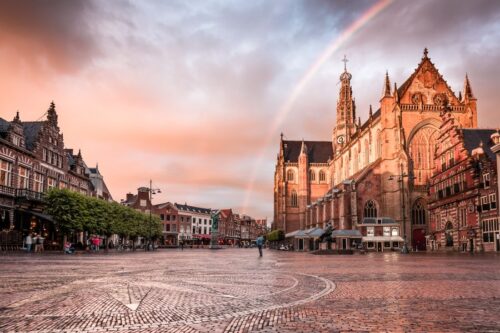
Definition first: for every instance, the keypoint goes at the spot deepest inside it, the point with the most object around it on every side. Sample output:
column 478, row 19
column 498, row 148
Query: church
column 371, row 179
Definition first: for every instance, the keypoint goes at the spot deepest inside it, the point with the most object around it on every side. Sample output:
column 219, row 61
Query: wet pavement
column 233, row 290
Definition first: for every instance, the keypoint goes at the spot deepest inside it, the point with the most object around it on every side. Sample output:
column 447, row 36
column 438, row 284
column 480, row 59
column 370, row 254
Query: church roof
column 317, row 151
column 473, row 138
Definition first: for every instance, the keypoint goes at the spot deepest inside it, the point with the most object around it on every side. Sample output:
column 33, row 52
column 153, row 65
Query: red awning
column 202, row 236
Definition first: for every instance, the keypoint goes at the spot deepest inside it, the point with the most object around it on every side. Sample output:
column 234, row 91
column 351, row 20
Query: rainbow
column 286, row 107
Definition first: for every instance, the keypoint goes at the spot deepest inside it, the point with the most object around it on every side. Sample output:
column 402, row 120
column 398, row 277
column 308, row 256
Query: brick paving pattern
column 233, row 290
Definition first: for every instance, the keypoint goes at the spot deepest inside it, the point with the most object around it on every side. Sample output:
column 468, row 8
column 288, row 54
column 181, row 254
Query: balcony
column 7, row 190
column 30, row 195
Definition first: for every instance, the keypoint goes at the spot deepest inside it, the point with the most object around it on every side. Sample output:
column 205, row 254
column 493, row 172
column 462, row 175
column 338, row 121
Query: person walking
column 260, row 243
column 40, row 240
column 29, row 242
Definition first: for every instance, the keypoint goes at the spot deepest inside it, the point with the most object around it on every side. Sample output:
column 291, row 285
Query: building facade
column 33, row 160
column 387, row 161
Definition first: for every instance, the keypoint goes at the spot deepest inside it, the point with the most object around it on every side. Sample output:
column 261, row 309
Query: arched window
column 294, row 201
column 370, row 209
column 312, row 175
column 422, row 145
column 290, row 175
column 418, row 213
column 322, row 176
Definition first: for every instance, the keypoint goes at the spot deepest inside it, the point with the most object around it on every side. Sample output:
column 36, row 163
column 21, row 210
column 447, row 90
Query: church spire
column 303, row 148
column 346, row 109
column 387, row 86
column 467, row 89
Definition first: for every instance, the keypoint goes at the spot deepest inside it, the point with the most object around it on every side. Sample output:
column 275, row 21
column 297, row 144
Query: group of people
column 36, row 240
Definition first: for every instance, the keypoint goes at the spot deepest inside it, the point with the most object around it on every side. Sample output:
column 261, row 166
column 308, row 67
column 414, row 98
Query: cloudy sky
column 190, row 93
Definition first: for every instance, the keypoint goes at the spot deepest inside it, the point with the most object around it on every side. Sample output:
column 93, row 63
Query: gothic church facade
column 379, row 168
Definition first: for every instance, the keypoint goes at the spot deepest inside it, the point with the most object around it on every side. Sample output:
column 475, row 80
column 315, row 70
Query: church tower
column 345, row 125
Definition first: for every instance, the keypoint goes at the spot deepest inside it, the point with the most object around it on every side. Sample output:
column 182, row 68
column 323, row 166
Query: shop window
column 395, row 245
column 370, row 245
column 387, row 244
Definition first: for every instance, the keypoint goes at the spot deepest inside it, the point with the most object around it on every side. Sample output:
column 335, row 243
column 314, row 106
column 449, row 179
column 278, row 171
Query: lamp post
column 151, row 192
column 400, row 178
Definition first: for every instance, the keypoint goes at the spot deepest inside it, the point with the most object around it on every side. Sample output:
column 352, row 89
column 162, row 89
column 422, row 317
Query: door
column 344, row 244
column 379, row 247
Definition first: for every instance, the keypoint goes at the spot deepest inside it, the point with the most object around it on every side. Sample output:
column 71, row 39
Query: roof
column 317, row 151
column 473, row 138
column 4, row 125
column 193, row 209
column 346, row 233
column 31, row 130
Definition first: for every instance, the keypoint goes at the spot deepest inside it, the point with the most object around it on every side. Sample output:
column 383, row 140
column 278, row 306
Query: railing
column 29, row 194
column 430, row 107
column 7, row 190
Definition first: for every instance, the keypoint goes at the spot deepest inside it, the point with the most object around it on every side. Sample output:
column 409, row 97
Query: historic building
column 376, row 169
column 463, row 190
column 33, row 159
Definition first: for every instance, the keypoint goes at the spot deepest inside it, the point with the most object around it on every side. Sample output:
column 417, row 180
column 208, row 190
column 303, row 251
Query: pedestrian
column 260, row 243
column 68, row 248
column 35, row 241
column 96, row 243
column 39, row 242
column 29, row 241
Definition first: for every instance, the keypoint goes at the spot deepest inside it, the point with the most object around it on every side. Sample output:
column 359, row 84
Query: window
column 293, row 199
column 462, row 216
column 194, row 230
column 485, row 205
column 168, row 226
column 5, row 173
column 490, row 227
column 451, row 159
column 418, row 213
column 22, row 177
column 322, row 176
column 204, row 221
column 387, row 231
column 486, row 180
column 493, row 201
column 182, row 218
column 173, row 217
column 44, row 155
column 312, row 175
column 290, row 175
column 62, row 185
column 370, row 209
column 162, row 217
column 370, row 231
column 370, row 245
column 38, row 182
column 142, row 203
column 51, row 183
column 174, row 228
column 395, row 231
column 387, row 244
column 395, row 245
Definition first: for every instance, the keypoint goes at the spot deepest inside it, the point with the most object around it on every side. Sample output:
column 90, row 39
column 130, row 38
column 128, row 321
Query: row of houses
column 33, row 159
column 187, row 224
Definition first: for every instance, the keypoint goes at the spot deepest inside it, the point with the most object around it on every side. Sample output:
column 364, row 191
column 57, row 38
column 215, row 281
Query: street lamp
column 151, row 192
column 400, row 179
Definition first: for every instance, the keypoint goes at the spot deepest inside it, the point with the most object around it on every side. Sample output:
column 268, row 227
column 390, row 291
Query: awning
column 296, row 234
column 346, row 233
column 315, row 232
column 382, row 239
column 202, row 237
column 40, row 215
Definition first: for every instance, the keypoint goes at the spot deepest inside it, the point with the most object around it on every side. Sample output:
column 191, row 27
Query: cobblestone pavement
column 233, row 290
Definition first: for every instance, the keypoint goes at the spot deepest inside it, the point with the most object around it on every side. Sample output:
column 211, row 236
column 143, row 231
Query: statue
column 327, row 236
column 214, row 240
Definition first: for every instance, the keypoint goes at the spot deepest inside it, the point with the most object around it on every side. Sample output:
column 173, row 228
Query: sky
column 194, row 94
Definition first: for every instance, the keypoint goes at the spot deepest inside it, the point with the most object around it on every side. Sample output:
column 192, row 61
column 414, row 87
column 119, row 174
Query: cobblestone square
column 233, row 290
